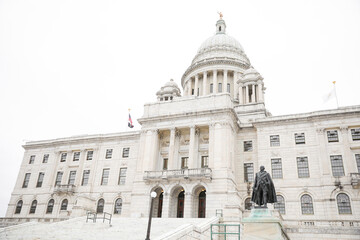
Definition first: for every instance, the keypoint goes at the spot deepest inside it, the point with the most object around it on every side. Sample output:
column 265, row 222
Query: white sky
column 75, row 67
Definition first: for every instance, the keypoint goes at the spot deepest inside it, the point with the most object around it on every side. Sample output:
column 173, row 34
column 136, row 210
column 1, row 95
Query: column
column 171, row 163
column 205, row 83
column 191, row 147
column 253, row 93
column 215, row 83
column 349, row 157
column 188, row 203
column 151, row 150
column 225, row 80
column 196, row 85
column 260, row 92
column 325, row 164
column 246, row 94
column 166, row 205
column 240, row 94
column 235, row 84
column 189, row 86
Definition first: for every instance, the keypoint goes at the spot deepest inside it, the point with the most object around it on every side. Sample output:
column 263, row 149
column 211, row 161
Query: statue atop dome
column 220, row 14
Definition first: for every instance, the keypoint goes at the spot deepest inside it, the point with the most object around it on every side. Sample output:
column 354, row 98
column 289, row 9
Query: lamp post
column 153, row 196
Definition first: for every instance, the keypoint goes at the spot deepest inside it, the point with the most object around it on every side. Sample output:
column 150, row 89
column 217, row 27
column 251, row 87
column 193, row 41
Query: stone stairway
column 121, row 228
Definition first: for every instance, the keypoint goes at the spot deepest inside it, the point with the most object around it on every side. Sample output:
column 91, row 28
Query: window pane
column 85, row 179
column 337, row 165
column 58, row 178
column 343, row 203
column 76, row 156
column 249, row 172
column 299, row 138
column 118, row 206
column 100, row 206
column 274, row 140
column 248, row 204
column 105, row 176
column 64, row 204
column 332, row 136
column 63, row 157
column 33, row 206
column 18, row 207
column 26, row 180
column 108, row 153
column 357, row 157
column 40, row 179
column 303, row 167
column 32, row 159
column 126, row 152
column 89, row 155
column 280, row 204
column 45, row 158
column 50, row 206
column 220, row 87
column 248, row 146
column 122, row 176
column 184, row 162
column 165, row 163
column 72, row 176
column 228, row 88
column 307, row 205
column 204, row 161
column 276, row 168
column 355, row 133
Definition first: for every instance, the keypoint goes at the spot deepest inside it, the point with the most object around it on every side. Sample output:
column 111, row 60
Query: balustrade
column 187, row 173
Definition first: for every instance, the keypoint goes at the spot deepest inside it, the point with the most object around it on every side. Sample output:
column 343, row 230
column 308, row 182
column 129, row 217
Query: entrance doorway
column 202, row 204
column 180, row 205
column 160, row 205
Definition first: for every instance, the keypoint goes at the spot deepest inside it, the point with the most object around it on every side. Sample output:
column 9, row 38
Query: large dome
column 220, row 41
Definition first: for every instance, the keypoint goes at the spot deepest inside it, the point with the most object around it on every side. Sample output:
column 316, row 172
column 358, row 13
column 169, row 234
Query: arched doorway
column 202, row 204
column 158, row 202
column 180, row 205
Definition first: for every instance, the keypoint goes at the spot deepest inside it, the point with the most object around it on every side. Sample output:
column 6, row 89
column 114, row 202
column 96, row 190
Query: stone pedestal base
column 262, row 225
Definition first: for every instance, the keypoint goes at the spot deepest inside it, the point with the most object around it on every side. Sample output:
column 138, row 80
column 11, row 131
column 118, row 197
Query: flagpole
column 337, row 103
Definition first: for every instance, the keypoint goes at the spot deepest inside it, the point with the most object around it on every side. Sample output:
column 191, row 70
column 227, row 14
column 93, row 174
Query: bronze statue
column 263, row 189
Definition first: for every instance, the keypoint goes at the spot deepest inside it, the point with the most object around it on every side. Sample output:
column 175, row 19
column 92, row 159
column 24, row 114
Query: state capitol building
column 199, row 148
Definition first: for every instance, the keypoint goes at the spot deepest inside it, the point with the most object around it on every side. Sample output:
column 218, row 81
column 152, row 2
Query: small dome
column 251, row 75
column 169, row 91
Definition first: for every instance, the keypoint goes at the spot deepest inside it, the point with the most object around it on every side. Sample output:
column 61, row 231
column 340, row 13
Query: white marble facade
column 192, row 150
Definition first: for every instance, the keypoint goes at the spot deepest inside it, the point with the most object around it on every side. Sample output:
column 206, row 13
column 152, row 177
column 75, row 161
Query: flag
column 130, row 123
column 329, row 96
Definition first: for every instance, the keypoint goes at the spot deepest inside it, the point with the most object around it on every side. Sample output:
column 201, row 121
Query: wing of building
column 198, row 150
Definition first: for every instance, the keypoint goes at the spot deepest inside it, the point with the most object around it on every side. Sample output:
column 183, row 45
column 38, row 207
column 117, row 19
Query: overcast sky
column 75, row 67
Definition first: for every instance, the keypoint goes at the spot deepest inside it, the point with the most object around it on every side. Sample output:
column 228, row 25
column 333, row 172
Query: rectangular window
column 126, row 152
column 40, row 179
column 85, row 179
column 184, row 162
column 58, row 178
column 355, row 133
column 357, row 157
column 105, row 176
column 248, row 146
column 228, row 88
column 299, row 138
column 32, row 159
column 274, row 140
column 26, row 180
column 303, row 167
column 220, row 87
column 276, row 168
column 45, row 158
column 63, row 157
column 72, row 176
column 332, row 136
column 204, row 161
column 76, row 156
column 108, row 153
column 337, row 165
column 165, row 163
column 192, row 92
column 248, row 172
column 211, row 88
column 122, row 176
column 89, row 155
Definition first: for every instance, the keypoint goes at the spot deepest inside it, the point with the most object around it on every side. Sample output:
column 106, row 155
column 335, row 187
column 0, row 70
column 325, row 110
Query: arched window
column 280, row 204
column 247, row 204
column 343, row 203
column 100, row 206
column 306, row 204
column 33, row 206
column 18, row 207
column 64, row 204
column 50, row 206
column 118, row 206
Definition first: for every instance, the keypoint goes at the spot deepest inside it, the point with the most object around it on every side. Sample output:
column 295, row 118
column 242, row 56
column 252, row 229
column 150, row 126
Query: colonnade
column 251, row 92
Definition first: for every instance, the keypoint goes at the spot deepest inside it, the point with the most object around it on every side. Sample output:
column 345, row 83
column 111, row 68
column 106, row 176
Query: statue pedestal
column 261, row 224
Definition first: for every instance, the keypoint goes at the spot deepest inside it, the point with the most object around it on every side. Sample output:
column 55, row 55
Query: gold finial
column 220, row 14
column 129, row 109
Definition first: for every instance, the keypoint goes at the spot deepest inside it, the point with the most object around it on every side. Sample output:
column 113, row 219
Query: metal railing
column 355, row 179
column 91, row 216
column 205, row 173
column 107, row 216
column 225, row 231
column 64, row 188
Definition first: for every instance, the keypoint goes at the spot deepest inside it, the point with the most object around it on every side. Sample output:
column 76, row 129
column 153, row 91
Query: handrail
column 91, row 216
column 224, row 232
column 107, row 218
